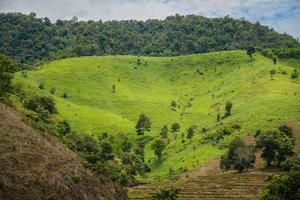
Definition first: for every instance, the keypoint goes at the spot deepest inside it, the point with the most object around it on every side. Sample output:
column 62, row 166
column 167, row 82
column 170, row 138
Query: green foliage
column 143, row 124
column 283, row 187
column 292, row 163
column 7, row 68
column 106, row 150
column 173, row 104
column 166, row 194
column 228, row 108
column 158, row 146
column 274, row 60
column 250, row 51
column 276, row 147
column 42, row 105
column 102, row 157
column 27, row 38
column 52, row 90
column 164, row 132
column 239, row 156
column 41, row 86
column 190, row 132
column 65, row 95
column 175, row 127
column 295, row 74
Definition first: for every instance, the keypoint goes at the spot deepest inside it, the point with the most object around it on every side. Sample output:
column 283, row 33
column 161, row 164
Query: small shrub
column 75, row 179
column 166, row 194
column 65, row 95
column 295, row 74
column 41, row 86
column 52, row 90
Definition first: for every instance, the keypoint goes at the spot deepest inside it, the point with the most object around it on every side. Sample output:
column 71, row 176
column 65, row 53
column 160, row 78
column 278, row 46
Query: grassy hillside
column 33, row 165
column 200, row 84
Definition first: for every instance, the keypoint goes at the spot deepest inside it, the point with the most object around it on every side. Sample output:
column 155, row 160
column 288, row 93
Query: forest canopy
column 28, row 39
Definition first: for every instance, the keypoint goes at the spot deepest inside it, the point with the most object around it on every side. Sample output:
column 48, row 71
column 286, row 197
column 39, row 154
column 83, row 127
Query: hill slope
column 200, row 84
column 36, row 166
column 223, row 186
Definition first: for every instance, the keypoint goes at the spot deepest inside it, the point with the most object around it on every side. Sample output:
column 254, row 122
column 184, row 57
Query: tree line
column 28, row 39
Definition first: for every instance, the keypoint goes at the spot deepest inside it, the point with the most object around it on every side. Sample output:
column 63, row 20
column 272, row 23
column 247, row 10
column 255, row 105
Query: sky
column 282, row 15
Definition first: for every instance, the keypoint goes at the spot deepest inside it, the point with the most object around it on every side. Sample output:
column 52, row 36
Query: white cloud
column 276, row 13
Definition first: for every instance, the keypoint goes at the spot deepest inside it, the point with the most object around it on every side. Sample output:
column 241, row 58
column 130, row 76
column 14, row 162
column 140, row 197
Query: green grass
column 259, row 101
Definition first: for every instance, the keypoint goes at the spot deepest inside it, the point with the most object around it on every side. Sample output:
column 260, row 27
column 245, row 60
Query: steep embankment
column 35, row 166
column 107, row 94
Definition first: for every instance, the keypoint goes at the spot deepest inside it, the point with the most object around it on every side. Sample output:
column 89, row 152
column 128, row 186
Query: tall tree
column 7, row 68
column 158, row 146
column 143, row 124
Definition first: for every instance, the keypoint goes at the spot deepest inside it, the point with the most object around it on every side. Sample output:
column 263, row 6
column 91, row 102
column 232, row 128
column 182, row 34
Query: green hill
column 199, row 84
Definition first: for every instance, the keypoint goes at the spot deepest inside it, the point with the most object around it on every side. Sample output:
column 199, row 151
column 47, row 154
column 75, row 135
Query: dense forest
column 28, row 39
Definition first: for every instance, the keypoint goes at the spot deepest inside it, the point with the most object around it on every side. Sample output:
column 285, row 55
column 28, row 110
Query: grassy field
column 200, row 84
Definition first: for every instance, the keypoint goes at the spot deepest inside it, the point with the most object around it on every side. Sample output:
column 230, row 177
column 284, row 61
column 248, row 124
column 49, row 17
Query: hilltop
column 108, row 93
column 34, row 165
column 28, row 39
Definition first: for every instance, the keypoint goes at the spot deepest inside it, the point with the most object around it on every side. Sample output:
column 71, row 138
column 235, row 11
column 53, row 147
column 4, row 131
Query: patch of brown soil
column 212, row 167
column 295, row 126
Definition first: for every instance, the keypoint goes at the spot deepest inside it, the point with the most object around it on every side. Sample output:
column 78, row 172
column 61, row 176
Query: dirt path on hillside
column 295, row 126
column 212, row 167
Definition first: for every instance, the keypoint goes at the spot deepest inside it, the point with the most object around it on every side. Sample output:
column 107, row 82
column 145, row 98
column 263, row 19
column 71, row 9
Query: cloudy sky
column 282, row 15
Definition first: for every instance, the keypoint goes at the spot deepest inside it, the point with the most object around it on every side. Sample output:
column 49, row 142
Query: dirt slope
column 34, row 165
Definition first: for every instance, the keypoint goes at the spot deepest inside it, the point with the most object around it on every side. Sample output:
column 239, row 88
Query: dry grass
column 34, row 165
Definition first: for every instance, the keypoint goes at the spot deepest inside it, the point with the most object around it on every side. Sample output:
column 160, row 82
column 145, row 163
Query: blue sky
column 282, row 15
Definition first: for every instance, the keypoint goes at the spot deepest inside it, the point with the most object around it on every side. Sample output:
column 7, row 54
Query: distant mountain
column 27, row 38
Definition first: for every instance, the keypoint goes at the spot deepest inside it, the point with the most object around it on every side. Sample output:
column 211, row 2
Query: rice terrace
column 140, row 106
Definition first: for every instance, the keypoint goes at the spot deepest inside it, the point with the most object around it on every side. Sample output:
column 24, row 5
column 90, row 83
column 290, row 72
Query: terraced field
column 223, row 186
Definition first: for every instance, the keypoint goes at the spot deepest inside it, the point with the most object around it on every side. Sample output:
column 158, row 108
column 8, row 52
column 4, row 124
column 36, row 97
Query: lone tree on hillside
column 239, row 156
column 143, row 124
column 138, row 62
column 274, row 60
column 158, row 146
column 175, row 127
column 295, row 74
column 113, row 88
column 164, row 132
column 7, row 68
column 228, row 108
column 250, row 51
column 190, row 132
column 173, row 104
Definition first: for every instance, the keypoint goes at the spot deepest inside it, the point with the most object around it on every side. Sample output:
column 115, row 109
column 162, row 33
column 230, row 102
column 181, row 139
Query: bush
column 276, row 147
column 283, row 187
column 239, row 156
column 37, row 102
column 166, row 194
column 41, row 86
column 295, row 74
column 175, row 127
